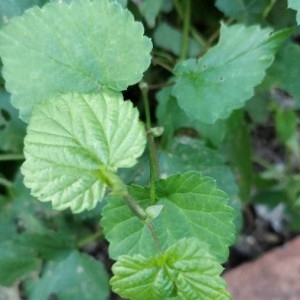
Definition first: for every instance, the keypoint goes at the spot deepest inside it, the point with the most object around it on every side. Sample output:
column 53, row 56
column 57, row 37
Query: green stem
column 141, row 214
column 12, row 156
column 162, row 64
column 154, row 236
column 154, row 168
column 269, row 8
column 185, row 30
column 91, row 238
column 6, row 183
column 136, row 209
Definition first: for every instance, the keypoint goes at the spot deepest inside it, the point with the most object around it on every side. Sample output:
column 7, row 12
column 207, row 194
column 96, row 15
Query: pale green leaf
column 76, row 277
column 249, row 11
column 74, row 144
column 185, row 271
column 222, row 80
column 295, row 4
column 192, row 207
column 16, row 262
column 71, row 48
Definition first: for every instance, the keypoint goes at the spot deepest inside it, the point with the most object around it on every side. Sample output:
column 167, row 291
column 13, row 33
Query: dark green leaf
column 239, row 150
column 286, row 124
column 12, row 129
column 16, row 262
column 76, row 277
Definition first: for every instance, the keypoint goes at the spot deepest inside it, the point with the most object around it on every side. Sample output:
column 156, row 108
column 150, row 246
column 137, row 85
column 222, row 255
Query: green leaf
column 72, row 151
column 12, row 129
column 150, row 9
column 239, row 149
column 286, row 124
column 169, row 38
column 248, row 11
column 185, row 271
column 76, row 277
column 46, row 245
column 16, row 262
column 108, row 49
column 285, row 71
column 222, row 80
column 187, row 154
column 192, row 207
column 295, row 4
column 12, row 8
column 172, row 117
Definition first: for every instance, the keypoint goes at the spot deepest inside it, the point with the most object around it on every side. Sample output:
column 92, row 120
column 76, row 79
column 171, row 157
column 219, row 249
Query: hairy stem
column 154, row 235
column 136, row 209
column 141, row 214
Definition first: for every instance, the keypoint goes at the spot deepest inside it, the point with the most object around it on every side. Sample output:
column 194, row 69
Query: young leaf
column 16, row 261
column 295, row 4
column 192, row 207
column 75, row 143
column 88, row 45
column 185, row 271
column 222, row 80
column 76, row 277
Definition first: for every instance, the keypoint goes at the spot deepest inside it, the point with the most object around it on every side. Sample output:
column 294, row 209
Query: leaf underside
column 70, row 149
column 71, row 48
